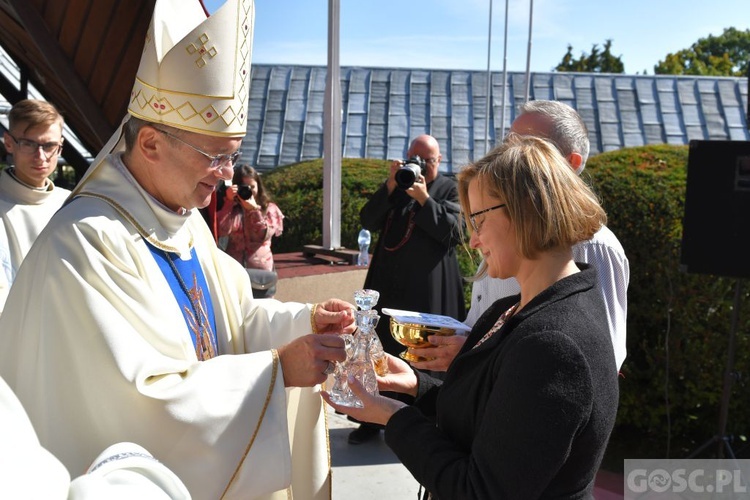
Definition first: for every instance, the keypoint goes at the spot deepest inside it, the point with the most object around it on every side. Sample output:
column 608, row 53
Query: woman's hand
column 376, row 408
column 400, row 377
column 440, row 354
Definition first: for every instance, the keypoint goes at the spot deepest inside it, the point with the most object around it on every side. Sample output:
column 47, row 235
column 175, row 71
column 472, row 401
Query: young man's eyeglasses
column 217, row 161
column 477, row 225
column 29, row 147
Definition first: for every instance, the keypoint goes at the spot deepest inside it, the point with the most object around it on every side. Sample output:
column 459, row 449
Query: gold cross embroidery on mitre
column 202, row 51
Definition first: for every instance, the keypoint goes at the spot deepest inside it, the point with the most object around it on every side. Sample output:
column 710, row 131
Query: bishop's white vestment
column 98, row 351
column 121, row 472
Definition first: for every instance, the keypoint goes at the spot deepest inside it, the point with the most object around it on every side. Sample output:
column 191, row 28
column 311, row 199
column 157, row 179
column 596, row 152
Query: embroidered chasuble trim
column 123, row 456
column 329, row 476
column 158, row 244
column 274, row 373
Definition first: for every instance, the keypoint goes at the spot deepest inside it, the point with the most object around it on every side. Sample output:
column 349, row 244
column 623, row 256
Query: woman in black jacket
column 528, row 405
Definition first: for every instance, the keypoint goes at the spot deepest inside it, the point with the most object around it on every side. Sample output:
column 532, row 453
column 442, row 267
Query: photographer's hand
column 418, row 190
column 390, row 184
column 249, row 204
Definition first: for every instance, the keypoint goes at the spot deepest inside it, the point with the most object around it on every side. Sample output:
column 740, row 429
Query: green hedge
column 678, row 323
column 298, row 190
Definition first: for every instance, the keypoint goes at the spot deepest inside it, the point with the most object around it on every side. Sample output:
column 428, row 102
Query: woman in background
column 249, row 219
column 527, row 406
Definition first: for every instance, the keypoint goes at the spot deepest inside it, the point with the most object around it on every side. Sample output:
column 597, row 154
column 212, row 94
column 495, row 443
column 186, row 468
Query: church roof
column 383, row 108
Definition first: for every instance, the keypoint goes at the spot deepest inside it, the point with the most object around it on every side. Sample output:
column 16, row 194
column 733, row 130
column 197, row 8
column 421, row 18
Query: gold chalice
column 415, row 335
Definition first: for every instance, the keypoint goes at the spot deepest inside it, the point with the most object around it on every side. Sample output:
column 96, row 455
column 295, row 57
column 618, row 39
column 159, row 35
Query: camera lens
column 409, row 172
column 406, row 176
column 244, row 191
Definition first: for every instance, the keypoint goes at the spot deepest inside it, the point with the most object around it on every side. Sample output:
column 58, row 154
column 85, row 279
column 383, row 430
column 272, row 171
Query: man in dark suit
column 414, row 265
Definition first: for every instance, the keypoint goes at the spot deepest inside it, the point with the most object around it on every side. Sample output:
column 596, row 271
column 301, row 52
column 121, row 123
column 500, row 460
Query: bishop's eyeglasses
column 217, row 161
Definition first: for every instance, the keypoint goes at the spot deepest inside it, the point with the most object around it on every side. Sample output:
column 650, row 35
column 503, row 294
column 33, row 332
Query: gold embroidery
column 201, row 50
column 158, row 244
column 200, row 326
column 275, row 371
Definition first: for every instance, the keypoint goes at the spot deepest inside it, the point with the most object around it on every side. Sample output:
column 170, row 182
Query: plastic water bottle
column 364, row 248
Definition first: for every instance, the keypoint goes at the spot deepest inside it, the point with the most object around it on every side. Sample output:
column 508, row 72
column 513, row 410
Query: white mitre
column 194, row 73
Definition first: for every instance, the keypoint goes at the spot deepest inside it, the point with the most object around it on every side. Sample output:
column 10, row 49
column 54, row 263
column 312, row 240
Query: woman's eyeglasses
column 477, row 225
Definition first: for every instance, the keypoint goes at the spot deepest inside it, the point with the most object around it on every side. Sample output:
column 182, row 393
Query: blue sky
column 453, row 34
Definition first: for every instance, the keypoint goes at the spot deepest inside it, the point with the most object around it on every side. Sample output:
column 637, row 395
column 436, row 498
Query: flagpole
column 505, row 72
column 528, row 52
column 332, row 136
column 489, row 88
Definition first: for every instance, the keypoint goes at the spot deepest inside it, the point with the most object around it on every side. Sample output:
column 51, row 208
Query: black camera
column 409, row 172
column 244, row 191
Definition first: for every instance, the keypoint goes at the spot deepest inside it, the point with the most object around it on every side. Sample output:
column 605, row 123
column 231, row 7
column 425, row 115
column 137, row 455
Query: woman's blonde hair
column 548, row 204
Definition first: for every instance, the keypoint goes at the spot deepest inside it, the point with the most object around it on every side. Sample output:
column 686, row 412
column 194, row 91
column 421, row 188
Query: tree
column 723, row 55
column 596, row 62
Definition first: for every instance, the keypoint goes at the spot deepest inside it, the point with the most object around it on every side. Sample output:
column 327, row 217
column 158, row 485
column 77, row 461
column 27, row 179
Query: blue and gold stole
column 188, row 284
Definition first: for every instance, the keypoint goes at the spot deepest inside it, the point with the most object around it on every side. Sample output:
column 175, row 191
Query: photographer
column 414, row 264
column 249, row 219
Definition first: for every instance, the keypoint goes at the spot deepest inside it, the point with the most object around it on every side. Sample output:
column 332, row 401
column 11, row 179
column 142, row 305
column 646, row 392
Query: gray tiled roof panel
column 608, row 112
column 295, row 111
column 649, row 114
column 735, row 116
column 646, row 91
column 356, row 125
column 653, row 134
column 357, row 102
column 383, row 108
column 737, row 134
column 378, row 113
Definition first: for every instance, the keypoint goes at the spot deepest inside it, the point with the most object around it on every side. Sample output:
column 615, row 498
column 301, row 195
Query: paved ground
column 369, row 471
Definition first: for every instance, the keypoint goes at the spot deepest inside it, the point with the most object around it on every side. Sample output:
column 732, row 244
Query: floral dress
column 249, row 233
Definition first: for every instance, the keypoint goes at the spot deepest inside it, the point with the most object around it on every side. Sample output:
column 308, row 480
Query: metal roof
column 383, row 108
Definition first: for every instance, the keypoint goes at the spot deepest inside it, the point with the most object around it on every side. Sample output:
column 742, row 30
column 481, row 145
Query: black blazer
column 525, row 415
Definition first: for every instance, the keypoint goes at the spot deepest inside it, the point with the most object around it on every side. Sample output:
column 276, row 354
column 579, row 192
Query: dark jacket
column 414, row 264
column 525, row 415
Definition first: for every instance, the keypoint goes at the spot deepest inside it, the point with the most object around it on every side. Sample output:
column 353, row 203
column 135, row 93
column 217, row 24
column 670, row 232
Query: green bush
column 678, row 324
column 298, row 190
